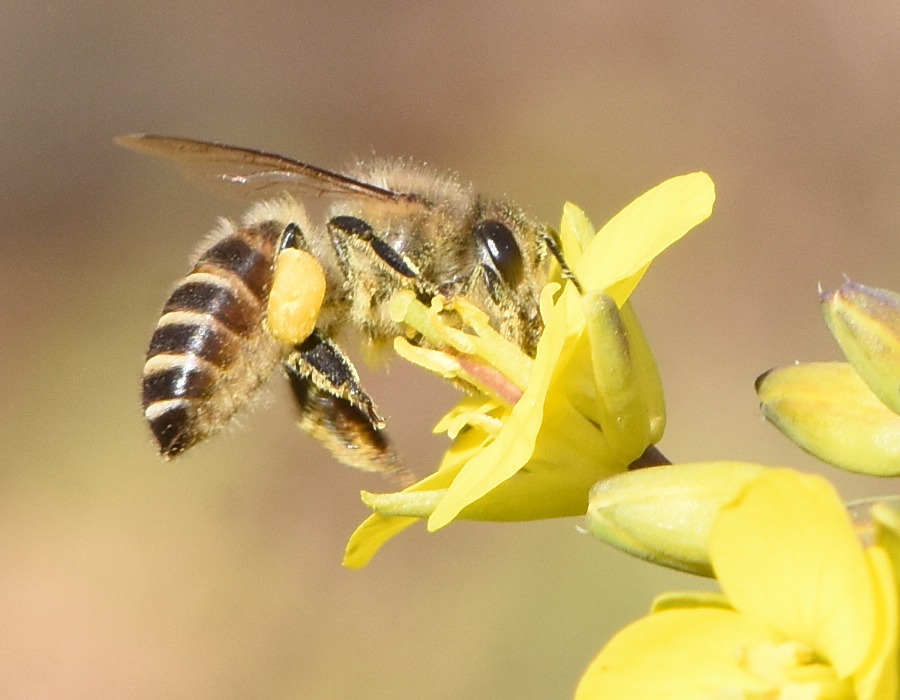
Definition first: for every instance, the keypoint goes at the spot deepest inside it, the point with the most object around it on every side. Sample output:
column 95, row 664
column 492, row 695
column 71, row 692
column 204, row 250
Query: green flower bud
column 664, row 514
column 866, row 323
column 829, row 411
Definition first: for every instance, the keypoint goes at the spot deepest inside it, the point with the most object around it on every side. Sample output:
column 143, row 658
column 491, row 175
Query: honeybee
column 390, row 225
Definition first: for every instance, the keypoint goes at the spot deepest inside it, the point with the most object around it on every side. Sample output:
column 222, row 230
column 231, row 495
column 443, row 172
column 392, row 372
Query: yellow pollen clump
column 298, row 290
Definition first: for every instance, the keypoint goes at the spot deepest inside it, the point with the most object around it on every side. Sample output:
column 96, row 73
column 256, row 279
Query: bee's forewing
column 249, row 173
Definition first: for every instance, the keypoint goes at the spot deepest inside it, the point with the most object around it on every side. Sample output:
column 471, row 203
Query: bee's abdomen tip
column 174, row 430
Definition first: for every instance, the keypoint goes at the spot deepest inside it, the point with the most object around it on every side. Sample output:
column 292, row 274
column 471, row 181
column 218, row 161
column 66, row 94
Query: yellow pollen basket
column 298, row 290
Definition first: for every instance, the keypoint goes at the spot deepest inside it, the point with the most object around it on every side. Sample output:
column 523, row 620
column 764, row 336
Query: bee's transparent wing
column 251, row 174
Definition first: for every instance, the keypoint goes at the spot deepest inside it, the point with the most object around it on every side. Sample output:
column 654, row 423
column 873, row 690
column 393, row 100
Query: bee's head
column 511, row 267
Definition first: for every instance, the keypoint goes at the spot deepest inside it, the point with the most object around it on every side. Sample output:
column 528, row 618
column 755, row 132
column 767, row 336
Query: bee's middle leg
column 336, row 411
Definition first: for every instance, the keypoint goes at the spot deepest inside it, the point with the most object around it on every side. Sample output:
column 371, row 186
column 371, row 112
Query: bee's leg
column 352, row 231
column 550, row 239
column 319, row 358
column 292, row 237
column 336, row 411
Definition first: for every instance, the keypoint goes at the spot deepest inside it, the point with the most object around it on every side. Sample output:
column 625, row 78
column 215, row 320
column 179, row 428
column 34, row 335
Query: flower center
column 792, row 671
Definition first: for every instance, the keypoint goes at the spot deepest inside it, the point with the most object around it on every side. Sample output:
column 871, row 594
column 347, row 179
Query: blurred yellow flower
column 846, row 414
column 541, row 431
column 807, row 611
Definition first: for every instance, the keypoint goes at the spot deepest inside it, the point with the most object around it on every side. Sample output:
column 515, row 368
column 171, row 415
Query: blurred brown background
column 219, row 576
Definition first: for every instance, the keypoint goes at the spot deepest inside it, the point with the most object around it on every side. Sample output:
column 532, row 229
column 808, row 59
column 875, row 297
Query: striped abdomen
column 209, row 352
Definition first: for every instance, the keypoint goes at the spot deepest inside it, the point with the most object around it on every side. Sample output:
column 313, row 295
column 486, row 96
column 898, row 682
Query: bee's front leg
column 551, row 242
column 352, row 232
column 336, row 411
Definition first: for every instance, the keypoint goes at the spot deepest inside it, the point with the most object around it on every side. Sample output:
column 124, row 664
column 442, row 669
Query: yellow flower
column 806, row 610
column 543, row 430
column 846, row 414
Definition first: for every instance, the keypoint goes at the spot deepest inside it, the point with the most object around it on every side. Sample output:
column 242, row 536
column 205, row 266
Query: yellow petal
column 378, row 529
column 885, row 513
column 513, row 447
column 372, row 535
column 879, row 521
column 785, row 553
column 830, row 412
column 624, row 247
column 878, row 676
column 493, row 465
column 677, row 655
column 575, row 233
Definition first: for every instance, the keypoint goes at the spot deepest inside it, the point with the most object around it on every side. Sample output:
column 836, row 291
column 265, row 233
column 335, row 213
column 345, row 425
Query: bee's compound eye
column 498, row 244
column 296, row 297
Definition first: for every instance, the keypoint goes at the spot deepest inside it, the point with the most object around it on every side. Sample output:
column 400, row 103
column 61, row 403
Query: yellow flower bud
column 829, row 411
column 664, row 514
column 866, row 323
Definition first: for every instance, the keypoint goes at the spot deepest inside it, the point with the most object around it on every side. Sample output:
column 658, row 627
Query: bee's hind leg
column 336, row 411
